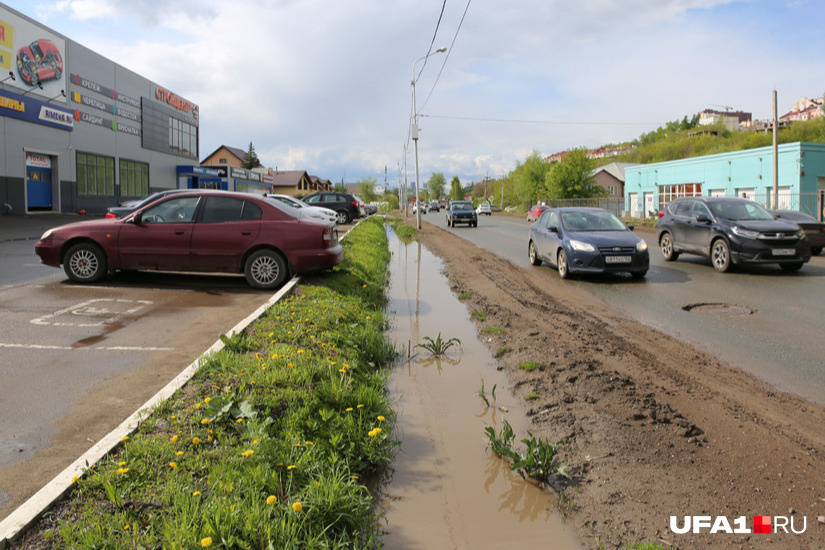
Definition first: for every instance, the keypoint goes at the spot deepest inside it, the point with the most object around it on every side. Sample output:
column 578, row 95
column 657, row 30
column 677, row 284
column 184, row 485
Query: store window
column 669, row 192
column 134, row 178
column 183, row 137
column 95, row 175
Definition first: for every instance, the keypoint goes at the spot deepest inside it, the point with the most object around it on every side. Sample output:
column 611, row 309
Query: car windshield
column 462, row 205
column 794, row 215
column 284, row 207
column 731, row 210
column 591, row 221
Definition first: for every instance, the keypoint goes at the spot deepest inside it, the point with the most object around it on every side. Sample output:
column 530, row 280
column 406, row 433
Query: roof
column 237, row 151
column 290, row 178
column 615, row 169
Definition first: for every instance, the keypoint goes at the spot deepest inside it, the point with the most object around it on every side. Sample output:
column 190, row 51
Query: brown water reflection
column 447, row 490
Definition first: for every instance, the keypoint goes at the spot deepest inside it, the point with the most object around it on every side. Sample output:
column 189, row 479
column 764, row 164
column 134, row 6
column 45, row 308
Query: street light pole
column 414, row 133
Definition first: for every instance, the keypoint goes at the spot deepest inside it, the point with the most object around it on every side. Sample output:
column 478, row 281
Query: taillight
column 661, row 213
column 330, row 237
column 109, row 215
column 355, row 204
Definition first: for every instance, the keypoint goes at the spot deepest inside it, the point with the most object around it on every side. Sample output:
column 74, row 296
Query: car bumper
column 49, row 253
column 310, row 261
column 753, row 251
column 596, row 262
column 464, row 219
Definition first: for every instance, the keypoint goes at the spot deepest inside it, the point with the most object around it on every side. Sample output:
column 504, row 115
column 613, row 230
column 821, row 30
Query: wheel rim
column 532, row 252
column 342, row 217
column 265, row 270
column 84, row 264
column 562, row 263
column 667, row 247
column 720, row 255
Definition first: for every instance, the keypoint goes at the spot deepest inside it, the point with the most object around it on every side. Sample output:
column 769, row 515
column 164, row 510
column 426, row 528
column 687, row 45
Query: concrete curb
column 30, row 511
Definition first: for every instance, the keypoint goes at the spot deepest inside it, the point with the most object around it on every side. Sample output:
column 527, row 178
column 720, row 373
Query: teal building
column 748, row 173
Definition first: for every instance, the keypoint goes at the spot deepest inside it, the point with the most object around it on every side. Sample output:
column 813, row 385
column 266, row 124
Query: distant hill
column 674, row 141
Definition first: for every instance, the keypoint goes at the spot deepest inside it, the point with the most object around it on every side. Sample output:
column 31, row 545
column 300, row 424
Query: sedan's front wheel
column 720, row 255
column 534, row 255
column 265, row 269
column 85, row 263
column 564, row 269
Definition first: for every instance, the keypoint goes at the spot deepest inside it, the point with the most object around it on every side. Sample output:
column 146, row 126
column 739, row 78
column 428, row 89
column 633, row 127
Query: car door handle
column 180, row 232
column 246, row 233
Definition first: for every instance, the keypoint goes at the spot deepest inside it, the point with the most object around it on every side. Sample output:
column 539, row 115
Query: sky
column 325, row 85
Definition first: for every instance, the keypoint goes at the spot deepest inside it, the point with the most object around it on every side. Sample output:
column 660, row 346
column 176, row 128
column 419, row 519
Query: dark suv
column 461, row 212
column 345, row 204
column 730, row 231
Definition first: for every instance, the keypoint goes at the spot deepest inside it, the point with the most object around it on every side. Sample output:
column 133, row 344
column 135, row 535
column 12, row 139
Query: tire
column 85, row 263
column 791, row 267
column 533, row 254
column 449, row 223
column 816, row 250
column 666, row 246
column 638, row 274
column 475, row 224
column 343, row 217
column 265, row 269
column 561, row 263
column 720, row 255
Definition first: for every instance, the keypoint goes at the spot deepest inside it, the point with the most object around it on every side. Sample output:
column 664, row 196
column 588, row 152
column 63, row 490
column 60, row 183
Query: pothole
column 719, row 308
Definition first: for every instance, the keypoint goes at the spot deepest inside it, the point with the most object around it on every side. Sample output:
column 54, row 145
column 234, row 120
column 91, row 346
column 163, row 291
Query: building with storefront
column 748, row 173
column 80, row 132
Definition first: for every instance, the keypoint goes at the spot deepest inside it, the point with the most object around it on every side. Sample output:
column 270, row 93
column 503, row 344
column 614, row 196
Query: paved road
column 781, row 342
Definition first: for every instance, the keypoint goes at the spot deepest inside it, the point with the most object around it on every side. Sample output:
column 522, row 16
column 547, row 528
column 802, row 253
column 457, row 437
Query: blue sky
column 324, row 85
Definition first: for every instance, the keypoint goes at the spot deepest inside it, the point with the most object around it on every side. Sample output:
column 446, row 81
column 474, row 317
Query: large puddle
column 447, row 489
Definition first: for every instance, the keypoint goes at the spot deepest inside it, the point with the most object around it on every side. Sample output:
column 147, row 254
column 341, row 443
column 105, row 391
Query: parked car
column 424, row 208
column 730, row 231
column 461, row 212
column 38, row 62
column 127, row 207
column 813, row 228
column 586, row 240
column 362, row 206
column 370, row 208
column 345, row 205
column 484, row 208
column 317, row 212
column 534, row 213
column 201, row 230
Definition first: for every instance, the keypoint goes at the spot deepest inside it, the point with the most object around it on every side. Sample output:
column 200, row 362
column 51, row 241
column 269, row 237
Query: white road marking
column 97, row 308
column 70, row 348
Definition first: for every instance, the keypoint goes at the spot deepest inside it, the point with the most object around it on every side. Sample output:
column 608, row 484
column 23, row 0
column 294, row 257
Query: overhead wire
column 449, row 51
column 523, row 121
column 430, row 50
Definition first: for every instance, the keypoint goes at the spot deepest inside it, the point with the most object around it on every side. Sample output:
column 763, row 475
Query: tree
column 456, row 193
column 572, row 177
column 250, row 159
column 436, row 185
column 340, row 187
column 529, row 177
column 366, row 189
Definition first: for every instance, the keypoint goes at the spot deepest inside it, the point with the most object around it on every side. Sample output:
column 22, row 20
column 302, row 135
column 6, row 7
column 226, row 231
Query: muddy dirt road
column 655, row 428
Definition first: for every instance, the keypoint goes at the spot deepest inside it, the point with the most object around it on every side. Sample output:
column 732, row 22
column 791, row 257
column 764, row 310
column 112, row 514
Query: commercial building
column 80, row 132
column 749, row 173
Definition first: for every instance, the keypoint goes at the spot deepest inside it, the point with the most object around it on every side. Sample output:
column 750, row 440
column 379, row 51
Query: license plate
column 617, row 259
column 784, row 252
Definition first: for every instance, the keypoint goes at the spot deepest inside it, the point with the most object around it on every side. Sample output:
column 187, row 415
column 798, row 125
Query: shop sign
column 38, row 161
column 176, row 102
column 78, row 80
column 17, row 35
column 101, row 105
column 244, row 174
column 33, row 110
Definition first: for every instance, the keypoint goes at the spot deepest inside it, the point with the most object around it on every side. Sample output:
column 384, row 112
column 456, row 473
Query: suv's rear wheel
column 343, row 217
column 720, row 255
column 666, row 246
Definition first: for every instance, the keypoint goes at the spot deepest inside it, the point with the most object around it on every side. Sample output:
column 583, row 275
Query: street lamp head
column 439, row 50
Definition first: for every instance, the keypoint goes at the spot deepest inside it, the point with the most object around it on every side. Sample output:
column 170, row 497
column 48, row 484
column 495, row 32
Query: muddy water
column 447, row 490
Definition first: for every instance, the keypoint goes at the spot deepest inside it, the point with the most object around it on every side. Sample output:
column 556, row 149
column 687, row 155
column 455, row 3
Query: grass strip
column 272, row 442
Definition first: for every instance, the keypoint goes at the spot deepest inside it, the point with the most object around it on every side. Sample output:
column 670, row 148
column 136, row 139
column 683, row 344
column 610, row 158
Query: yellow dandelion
column 207, row 399
column 122, row 471
column 308, row 443
column 270, row 500
column 197, row 405
column 348, row 409
column 209, row 438
column 297, row 506
column 173, row 465
column 317, row 483
column 196, row 494
column 377, row 431
column 205, row 421
column 125, row 438
column 174, row 439
column 297, row 445
column 291, row 467
column 271, row 334
column 300, row 351
column 368, row 317
column 248, row 452
column 172, row 417
column 256, row 441
column 342, row 370
column 75, row 478
column 365, row 286
column 360, row 406
column 121, row 463
column 354, row 477
column 179, row 453
column 381, row 418
column 240, row 420
column 289, row 365
column 205, row 542
column 195, row 440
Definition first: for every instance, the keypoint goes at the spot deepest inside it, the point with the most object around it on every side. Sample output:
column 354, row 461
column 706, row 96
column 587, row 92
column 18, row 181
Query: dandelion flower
column 239, row 421
column 206, row 542
column 291, row 467
column 125, row 438
column 256, row 441
column 197, row 405
column 196, row 494
column 195, row 440
column 297, row 445
column 174, row 438
column 342, row 370
column 173, row 465
column 209, row 438
column 381, row 418
column 248, row 452
column 270, row 500
column 309, row 443
column 75, row 478
column 297, row 506
column 205, row 421
column 122, row 471
column 359, row 406
column 179, row 453
column 349, row 409
column 365, row 286
column 122, row 463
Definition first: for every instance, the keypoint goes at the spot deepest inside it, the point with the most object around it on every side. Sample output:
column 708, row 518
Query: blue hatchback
column 587, row 240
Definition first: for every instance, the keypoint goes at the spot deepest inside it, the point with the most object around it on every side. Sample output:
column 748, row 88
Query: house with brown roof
column 611, row 177
column 296, row 182
column 225, row 156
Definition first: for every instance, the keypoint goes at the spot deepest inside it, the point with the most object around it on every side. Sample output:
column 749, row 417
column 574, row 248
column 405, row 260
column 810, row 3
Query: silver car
column 317, row 212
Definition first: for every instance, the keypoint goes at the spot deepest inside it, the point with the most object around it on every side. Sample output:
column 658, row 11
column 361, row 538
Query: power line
column 522, row 121
column 449, row 51
column 429, row 51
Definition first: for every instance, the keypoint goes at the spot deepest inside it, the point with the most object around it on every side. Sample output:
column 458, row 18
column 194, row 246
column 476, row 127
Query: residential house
column 611, row 177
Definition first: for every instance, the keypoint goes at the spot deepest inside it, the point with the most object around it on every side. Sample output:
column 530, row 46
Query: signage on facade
column 244, row 174
column 101, row 105
column 176, row 102
column 33, row 110
column 38, row 161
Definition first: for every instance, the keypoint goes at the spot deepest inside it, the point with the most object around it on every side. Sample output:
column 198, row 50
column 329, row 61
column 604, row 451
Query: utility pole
column 775, row 155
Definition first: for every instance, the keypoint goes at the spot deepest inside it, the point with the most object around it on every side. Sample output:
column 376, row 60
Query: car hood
column 765, row 226
column 603, row 239
column 103, row 223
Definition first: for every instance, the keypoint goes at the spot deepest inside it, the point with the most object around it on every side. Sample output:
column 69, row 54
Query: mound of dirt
column 654, row 427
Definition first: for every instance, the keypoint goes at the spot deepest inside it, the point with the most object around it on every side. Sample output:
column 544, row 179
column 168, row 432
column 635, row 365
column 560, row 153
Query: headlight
column 641, row 246
column 800, row 234
column 582, row 247
column 748, row 234
column 46, row 235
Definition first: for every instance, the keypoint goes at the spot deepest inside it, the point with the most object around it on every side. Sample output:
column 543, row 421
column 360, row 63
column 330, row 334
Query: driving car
column 346, row 205
column 127, row 207
column 586, row 240
column 435, row 206
column 461, row 212
column 38, row 62
column 318, row 212
column 730, row 231
column 813, row 228
column 534, row 213
column 199, row 231
column 424, row 208
column 484, row 208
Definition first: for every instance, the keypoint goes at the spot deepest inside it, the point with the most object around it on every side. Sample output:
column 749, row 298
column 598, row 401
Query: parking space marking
column 104, row 310
column 71, row 348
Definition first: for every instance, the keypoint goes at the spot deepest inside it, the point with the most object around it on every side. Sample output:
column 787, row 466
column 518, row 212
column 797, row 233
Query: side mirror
column 631, row 227
column 703, row 218
column 136, row 218
column 553, row 229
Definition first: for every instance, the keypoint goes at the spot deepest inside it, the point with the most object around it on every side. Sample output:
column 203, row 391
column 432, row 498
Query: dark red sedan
column 534, row 213
column 205, row 231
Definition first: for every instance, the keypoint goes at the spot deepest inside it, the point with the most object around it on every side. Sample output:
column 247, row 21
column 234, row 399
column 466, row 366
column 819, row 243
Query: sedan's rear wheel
column 720, row 255
column 564, row 269
column 666, row 246
column 534, row 255
column 85, row 263
column 343, row 217
column 265, row 269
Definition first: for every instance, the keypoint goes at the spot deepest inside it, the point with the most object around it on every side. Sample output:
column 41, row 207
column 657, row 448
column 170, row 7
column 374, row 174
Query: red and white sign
column 38, row 161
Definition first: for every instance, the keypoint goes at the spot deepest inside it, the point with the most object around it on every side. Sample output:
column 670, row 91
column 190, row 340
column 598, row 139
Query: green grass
column 274, row 438
column 465, row 295
column 529, row 366
column 493, row 330
column 478, row 314
column 502, row 350
column 532, row 396
column 404, row 231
